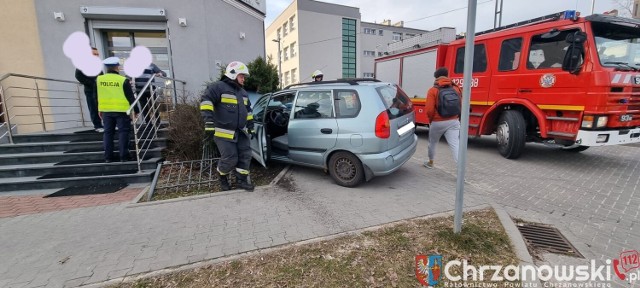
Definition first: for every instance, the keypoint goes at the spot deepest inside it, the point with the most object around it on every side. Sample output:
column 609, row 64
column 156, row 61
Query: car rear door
column 401, row 115
column 312, row 127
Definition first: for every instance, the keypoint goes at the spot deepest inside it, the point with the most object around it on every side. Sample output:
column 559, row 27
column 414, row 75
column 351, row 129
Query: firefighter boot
column 224, row 182
column 243, row 182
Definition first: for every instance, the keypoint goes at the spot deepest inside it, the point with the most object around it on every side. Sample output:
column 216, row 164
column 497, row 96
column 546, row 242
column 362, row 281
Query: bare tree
column 625, row 7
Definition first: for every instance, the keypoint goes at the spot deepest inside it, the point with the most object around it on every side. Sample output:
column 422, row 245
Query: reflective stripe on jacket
column 226, row 106
column 111, row 96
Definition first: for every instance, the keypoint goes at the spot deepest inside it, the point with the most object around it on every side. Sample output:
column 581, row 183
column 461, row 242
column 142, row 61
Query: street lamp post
column 279, row 62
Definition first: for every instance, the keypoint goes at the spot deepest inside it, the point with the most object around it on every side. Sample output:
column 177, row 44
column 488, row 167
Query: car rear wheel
column 346, row 169
column 510, row 133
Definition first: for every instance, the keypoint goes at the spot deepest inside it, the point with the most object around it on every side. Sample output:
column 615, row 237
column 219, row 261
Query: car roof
column 337, row 83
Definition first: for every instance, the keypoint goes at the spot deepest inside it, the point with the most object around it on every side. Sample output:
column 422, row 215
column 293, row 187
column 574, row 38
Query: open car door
column 259, row 148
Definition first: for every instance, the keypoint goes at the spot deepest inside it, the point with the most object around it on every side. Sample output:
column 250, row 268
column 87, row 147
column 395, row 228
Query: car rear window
column 395, row 100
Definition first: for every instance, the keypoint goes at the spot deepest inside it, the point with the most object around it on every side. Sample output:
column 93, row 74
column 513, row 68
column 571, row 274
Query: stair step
column 71, row 147
column 71, row 136
column 34, row 170
column 31, row 183
column 56, row 157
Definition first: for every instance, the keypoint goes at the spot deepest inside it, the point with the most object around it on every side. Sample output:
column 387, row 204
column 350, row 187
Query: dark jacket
column 226, row 106
column 146, row 75
column 89, row 82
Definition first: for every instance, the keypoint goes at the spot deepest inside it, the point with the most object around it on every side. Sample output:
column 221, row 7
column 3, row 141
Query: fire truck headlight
column 602, row 121
column 587, row 122
column 602, row 138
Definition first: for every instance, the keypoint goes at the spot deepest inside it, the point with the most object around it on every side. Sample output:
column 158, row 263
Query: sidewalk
column 90, row 245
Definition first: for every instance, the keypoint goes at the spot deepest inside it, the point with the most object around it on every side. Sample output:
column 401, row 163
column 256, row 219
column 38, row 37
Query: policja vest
column 111, row 97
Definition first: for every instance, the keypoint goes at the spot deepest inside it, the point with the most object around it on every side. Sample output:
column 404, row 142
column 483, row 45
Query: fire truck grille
column 540, row 237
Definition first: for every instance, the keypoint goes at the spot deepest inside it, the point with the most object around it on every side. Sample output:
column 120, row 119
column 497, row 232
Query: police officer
column 227, row 114
column 115, row 96
column 317, row 76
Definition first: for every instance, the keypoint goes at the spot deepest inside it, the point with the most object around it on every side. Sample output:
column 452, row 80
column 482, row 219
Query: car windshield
column 617, row 45
column 395, row 100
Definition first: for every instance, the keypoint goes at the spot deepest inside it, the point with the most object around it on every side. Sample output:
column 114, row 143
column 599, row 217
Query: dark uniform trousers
column 123, row 122
column 234, row 155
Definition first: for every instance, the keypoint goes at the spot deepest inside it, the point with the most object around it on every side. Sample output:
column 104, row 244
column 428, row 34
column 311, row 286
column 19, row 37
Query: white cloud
column 410, row 10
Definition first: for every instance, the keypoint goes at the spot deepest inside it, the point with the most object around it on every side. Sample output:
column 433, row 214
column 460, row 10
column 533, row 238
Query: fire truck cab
column 563, row 79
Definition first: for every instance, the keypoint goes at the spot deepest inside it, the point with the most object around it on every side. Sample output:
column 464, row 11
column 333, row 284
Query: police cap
column 111, row 61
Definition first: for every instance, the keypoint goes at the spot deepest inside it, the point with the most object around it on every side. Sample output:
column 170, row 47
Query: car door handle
column 326, row 130
column 525, row 91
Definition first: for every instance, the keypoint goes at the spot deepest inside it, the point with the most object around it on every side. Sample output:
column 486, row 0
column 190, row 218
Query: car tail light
column 383, row 127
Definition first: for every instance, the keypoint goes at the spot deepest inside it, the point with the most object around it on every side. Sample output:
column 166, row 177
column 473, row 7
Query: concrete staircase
column 65, row 159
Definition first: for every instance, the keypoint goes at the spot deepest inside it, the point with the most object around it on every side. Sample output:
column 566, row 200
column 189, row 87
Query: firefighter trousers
column 234, row 155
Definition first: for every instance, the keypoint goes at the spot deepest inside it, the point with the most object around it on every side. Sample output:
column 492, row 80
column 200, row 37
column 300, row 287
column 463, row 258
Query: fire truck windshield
column 617, row 45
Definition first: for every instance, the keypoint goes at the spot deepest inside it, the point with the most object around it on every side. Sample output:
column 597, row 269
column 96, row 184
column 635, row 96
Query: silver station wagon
column 354, row 129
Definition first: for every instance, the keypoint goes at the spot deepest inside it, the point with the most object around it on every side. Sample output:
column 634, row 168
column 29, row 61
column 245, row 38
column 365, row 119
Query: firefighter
column 317, row 76
column 227, row 114
column 115, row 95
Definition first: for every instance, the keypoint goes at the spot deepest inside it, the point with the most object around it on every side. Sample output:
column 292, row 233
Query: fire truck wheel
column 346, row 169
column 575, row 148
column 511, row 132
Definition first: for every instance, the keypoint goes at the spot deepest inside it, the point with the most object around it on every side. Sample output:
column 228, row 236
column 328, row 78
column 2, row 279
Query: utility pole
column 593, row 5
column 279, row 61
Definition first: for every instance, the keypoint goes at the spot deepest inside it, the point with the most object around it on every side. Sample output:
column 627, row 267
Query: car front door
column 259, row 142
column 313, row 129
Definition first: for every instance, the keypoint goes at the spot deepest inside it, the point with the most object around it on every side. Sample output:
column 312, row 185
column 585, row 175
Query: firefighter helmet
column 234, row 68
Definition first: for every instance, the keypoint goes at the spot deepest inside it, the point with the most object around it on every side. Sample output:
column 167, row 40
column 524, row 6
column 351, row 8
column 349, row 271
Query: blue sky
column 413, row 12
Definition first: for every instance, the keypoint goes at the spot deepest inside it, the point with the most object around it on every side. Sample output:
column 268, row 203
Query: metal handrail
column 8, row 109
column 144, row 137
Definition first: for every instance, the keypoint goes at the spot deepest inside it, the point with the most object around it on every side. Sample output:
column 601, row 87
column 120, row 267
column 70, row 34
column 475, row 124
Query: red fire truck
column 563, row 79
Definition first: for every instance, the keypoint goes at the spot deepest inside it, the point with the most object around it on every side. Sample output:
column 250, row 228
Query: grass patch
column 379, row 258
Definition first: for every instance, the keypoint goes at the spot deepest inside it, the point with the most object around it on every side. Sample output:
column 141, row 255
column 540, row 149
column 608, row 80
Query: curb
column 132, row 278
column 271, row 184
column 516, row 239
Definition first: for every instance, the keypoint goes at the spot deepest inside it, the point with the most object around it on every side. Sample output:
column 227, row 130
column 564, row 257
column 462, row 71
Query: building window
column 278, row 34
column 367, row 75
column 284, row 29
column 292, row 25
column 348, row 48
column 369, row 31
column 397, row 36
column 294, row 77
column 285, row 54
column 407, row 35
column 286, row 78
column 121, row 42
column 369, row 53
column 380, row 32
column 292, row 48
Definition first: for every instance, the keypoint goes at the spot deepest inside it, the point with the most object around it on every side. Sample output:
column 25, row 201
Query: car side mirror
column 574, row 57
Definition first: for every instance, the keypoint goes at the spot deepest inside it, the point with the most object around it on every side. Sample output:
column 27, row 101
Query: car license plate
column 406, row 128
column 626, row 118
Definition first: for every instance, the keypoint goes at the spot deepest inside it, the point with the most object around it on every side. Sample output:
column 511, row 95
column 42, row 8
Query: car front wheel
column 346, row 169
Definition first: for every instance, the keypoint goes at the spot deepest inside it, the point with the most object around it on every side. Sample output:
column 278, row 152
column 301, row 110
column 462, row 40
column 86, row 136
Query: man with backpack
column 443, row 110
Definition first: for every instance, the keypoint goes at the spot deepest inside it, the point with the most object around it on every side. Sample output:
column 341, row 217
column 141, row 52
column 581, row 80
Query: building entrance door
column 119, row 43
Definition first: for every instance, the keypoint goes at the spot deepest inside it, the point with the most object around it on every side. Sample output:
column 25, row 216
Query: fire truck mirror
column 573, row 58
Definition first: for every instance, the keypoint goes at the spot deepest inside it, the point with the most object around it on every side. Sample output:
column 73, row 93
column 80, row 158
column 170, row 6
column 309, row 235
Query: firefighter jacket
column 226, row 109
column 114, row 93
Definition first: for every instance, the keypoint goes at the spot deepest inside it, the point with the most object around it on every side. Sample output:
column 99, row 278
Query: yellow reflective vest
column 111, row 97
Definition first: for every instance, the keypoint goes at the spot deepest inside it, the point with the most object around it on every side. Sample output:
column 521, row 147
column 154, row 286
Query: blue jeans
column 122, row 120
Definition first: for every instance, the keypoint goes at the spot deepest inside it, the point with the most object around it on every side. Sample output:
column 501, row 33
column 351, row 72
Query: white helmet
column 316, row 73
column 234, row 68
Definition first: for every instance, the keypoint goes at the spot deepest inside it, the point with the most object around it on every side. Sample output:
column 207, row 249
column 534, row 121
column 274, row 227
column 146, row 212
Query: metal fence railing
column 37, row 104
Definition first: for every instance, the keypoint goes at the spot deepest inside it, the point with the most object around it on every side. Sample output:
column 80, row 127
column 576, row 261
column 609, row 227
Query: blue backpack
column 448, row 101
